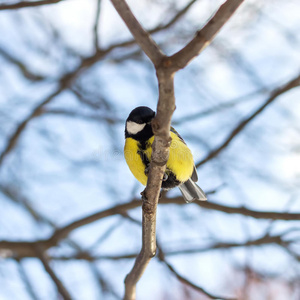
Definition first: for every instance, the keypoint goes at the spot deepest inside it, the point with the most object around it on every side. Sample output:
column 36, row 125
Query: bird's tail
column 191, row 191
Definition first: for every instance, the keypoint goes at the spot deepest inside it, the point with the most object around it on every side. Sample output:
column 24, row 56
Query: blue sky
column 70, row 167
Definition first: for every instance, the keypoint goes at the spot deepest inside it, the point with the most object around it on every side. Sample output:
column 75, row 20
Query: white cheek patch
column 134, row 128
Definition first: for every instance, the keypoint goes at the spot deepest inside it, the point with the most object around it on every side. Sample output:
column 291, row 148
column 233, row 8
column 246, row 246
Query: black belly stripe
column 171, row 182
column 141, row 152
column 144, row 158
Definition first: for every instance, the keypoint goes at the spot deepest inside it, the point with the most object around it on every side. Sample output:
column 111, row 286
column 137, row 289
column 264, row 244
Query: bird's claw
column 143, row 194
column 147, row 170
column 165, row 178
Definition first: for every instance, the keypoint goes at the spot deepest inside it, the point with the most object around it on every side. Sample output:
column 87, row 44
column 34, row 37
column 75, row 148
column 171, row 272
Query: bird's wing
column 174, row 131
column 194, row 175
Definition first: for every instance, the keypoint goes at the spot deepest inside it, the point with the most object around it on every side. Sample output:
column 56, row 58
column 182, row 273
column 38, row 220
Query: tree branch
column 271, row 215
column 175, row 18
column 141, row 36
column 21, row 66
column 160, row 148
column 96, row 39
column 295, row 82
column 60, row 287
column 26, row 281
column 27, row 4
column 20, row 128
column 204, row 36
column 161, row 257
column 67, row 78
column 160, row 154
column 161, row 126
column 26, row 249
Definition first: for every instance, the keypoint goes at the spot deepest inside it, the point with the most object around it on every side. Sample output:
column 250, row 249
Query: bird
column 180, row 167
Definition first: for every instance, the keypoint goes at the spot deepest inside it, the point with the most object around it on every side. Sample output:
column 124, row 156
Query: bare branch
column 236, row 210
column 26, row 281
column 161, row 127
column 154, row 30
column 20, row 128
column 27, row 4
column 295, row 82
column 64, row 83
column 220, row 107
column 160, row 153
column 21, row 66
column 96, row 39
column 204, row 36
column 264, row 240
column 166, row 105
column 161, row 257
column 60, row 287
column 175, row 18
column 26, row 249
column 141, row 36
column 84, row 116
column 66, row 80
column 103, row 281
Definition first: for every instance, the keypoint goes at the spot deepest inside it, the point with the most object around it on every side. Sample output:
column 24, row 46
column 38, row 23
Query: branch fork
column 166, row 67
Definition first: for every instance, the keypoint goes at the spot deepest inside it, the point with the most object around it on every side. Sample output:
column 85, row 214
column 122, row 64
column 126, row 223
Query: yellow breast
column 180, row 160
column 134, row 160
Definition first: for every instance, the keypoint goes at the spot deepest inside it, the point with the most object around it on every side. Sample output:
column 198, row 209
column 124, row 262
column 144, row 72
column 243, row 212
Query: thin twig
column 161, row 257
column 175, row 18
column 293, row 83
column 26, row 249
column 204, row 36
column 102, row 279
column 21, row 66
column 87, row 117
column 20, row 128
column 26, row 280
column 66, row 80
column 265, row 240
column 220, row 107
column 28, row 4
column 140, row 35
column 96, row 38
column 60, row 287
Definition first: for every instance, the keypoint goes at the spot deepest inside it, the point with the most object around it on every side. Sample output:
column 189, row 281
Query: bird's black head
column 138, row 124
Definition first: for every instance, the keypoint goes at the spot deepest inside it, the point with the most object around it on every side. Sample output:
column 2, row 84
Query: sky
column 70, row 167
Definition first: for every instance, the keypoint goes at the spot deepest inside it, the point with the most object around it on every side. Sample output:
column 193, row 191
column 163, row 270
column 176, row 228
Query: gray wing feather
column 194, row 175
column 191, row 191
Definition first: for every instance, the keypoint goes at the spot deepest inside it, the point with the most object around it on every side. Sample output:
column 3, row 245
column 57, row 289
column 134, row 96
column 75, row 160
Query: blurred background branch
column 70, row 74
column 24, row 4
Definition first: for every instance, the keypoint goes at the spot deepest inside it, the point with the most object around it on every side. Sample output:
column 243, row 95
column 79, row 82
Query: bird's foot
column 147, row 170
column 143, row 194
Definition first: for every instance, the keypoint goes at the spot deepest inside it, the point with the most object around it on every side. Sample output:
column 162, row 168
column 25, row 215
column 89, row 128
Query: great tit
column 180, row 169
